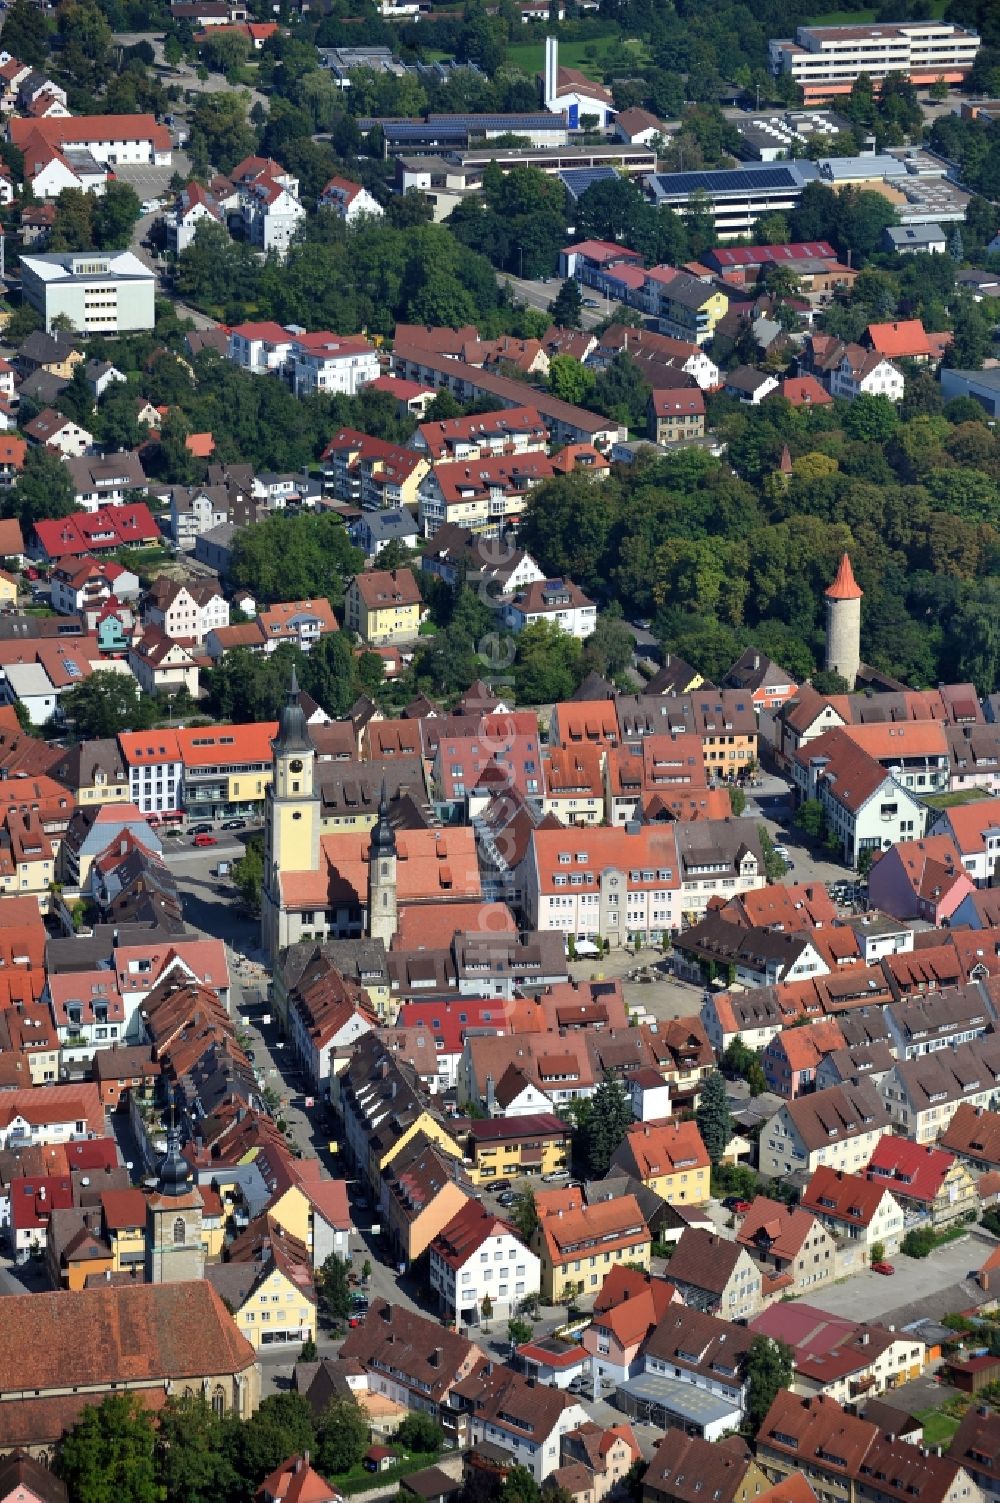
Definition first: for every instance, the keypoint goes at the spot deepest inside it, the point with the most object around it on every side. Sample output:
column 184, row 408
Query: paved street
column 538, row 294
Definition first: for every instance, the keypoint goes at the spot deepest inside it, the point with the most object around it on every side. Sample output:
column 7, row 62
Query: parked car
column 508, row 1198
column 233, row 824
column 203, row 840
column 201, row 829
column 590, row 302
column 736, row 1203
column 498, row 1184
column 885, row 1268
column 557, row 1174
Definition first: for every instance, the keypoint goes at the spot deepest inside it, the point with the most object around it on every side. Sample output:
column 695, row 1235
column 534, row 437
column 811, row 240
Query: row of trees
column 192, row 1455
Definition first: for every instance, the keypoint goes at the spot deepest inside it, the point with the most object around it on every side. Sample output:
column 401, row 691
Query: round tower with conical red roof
column 843, row 624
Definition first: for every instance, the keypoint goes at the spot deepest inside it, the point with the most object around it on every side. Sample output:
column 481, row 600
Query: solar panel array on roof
column 501, row 122
column 578, row 179
column 417, row 130
column 735, row 181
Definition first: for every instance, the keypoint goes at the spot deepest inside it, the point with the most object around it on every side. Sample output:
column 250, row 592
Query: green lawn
column 938, row 1426
column 589, row 56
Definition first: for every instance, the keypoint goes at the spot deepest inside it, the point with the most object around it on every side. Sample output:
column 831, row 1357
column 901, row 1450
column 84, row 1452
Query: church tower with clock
column 292, row 816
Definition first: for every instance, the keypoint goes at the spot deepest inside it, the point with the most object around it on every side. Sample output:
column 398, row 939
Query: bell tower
column 383, row 905
column 291, row 815
column 174, row 1251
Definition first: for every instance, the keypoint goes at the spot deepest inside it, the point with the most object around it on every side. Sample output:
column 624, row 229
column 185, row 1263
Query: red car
column 885, row 1268
column 203, row 840
column 741, row 1207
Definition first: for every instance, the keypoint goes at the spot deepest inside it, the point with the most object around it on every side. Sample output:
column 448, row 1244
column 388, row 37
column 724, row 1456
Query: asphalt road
column 538, row 294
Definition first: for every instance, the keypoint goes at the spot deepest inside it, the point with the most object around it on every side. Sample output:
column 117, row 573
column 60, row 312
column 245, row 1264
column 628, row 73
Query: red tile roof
column 848, row 1198
column 845, row 586
column 912, row 1171
column 904, row 337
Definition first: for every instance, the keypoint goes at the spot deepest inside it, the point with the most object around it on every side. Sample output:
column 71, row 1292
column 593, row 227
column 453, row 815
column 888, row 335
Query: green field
column 589, row 56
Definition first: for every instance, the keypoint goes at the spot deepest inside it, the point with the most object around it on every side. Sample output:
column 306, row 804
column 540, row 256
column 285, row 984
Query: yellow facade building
column 384, row 606
column 578, row 1245
column 506, row 1147
column 669, row 1158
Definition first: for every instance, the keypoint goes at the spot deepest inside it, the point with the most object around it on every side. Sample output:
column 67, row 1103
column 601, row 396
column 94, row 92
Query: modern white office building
column 825, row 60
column 738, row 196
column 99, row 292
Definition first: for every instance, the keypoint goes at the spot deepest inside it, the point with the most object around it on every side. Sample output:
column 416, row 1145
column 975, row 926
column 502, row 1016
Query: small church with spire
column 346, row 883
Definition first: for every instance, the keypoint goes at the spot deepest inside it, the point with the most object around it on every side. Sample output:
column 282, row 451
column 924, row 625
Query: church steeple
column 383, row 837
column 293, row 729
column 383, row 909
column 292, row 817
column 174, row 1173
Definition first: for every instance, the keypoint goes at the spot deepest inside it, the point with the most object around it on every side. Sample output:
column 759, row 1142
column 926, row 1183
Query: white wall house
column 467, row 1265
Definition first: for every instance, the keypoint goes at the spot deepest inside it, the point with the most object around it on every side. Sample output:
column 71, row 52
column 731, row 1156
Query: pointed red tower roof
column 845, row 586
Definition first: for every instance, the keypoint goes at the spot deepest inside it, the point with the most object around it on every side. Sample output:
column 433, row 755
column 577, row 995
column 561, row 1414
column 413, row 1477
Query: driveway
column 921, row 1288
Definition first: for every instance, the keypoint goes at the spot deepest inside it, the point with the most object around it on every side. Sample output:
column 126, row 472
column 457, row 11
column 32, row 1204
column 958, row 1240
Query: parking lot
column 920, row 1287
column 152, row 182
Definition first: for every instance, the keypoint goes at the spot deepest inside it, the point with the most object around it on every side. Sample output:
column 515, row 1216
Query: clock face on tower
column 295, row 765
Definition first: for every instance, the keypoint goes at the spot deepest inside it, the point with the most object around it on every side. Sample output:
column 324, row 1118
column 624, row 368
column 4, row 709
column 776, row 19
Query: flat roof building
column 100, row 292
column 825, row 60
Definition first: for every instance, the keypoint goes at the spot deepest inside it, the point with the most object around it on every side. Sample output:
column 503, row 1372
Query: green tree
column 330, row 674
column 567, row 305
column 110, row 1454
column 610, row 647
column 26, row 33
column 282, row 1426
column 333, row 1288
column 420, row 1432
column 193, row 1462
column 607, row 1123
column 713, row 1117
column 342, row 1435
column 518, row 1330
column 519, row 1486
column 548, row 665
column 73, row 229
column 737, row 800
column 768, row 1371
column 570, row 380
column 872, row 419
column 289, row 557
column 623, row 392
column 105, row 704
column 220, row 132
column 524, row 1217
column 117, row 424
column 115, row 215
column 486, row 1310
column 248, row 876
column 810, row 818
column 775, row 866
